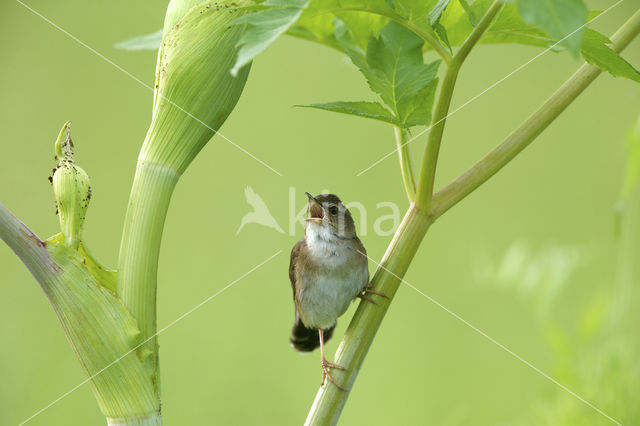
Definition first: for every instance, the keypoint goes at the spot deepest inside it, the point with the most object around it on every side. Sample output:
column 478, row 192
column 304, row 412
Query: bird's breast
column 335, row 276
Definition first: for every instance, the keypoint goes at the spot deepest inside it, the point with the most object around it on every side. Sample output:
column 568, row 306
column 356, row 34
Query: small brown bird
column 328, row 270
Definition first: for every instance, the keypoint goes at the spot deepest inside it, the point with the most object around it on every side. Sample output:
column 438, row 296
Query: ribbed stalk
column 138, row 263
column 150, row 420
column 194, row 95
column 101, row 331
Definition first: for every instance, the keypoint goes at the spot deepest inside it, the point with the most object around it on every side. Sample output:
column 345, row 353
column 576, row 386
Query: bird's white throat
column 322, row 242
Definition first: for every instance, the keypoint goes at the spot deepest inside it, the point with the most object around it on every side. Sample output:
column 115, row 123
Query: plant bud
column 195, row 91
column 71, row 188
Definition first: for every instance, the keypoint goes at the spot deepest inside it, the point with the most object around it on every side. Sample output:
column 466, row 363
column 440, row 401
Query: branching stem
column 426, row 180
column 520, row 138
column 359, row 336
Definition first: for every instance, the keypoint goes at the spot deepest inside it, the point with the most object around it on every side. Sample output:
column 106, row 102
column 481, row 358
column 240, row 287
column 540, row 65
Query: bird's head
column 327, row 214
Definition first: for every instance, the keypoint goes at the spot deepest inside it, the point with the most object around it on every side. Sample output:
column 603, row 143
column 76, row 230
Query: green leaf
column 264, row 27
column 143, row 42
column 509, row 27
column 473, row 20
column 436, row 12
column 596, row 52
column 561, row 19
column 362, row 17
column 373, row 110
column 434, row 20
column 441, row 32
column 394, row 68
column 396, row 71
column 419, row 111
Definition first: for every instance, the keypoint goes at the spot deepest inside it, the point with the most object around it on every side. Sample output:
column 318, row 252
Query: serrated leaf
column 144, row 42
column 373, row 110
column 419, row 111
column 509, row 27
column 441, row 32
column 595, row 51
column 561, row 19
column 264, row 27
column 395, row 69
column 434, row 21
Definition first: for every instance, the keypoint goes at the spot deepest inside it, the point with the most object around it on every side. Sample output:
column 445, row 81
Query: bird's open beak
column 316, row 212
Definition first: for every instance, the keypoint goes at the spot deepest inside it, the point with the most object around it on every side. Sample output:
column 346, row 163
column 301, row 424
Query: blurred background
column 542, row 258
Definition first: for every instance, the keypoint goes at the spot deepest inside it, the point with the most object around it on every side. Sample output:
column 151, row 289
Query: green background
column 531, row 258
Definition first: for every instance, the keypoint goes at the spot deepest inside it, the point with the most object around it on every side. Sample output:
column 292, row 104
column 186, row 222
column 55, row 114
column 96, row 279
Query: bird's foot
column 326, row 374
column 367, row 290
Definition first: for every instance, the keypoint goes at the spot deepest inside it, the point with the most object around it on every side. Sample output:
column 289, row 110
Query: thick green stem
column 365, row 323
column 101, row 332
column 500, row 156
column 142, row 234
column 405, row 163
column 430, row 159
column 154, row 419
column 26, row 245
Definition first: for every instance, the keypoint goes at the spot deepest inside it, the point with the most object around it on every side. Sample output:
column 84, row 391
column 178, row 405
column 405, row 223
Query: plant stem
column 26, row 245
column 154, row 419
column 520, row 138
column 359, row 336
column 153, row 186
column 428, row 38
column 405, row 163
column 429, row 161
column 355, row 344
column 100, row 330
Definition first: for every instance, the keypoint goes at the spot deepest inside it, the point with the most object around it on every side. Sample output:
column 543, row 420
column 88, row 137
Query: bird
column 260, row 213
column 328, row 270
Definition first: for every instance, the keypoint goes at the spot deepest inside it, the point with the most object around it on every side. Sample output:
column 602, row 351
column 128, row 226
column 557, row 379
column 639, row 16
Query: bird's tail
column 306, row 339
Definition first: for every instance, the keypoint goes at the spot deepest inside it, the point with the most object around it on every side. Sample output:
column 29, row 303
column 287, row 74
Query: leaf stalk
column 426, row 180
column 521, row 137
column 405, row 162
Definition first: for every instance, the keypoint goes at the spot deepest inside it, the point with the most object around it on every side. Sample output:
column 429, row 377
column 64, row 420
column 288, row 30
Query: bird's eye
column 333, row 210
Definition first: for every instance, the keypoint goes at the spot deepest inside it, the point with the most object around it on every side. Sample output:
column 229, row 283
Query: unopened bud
column 71, row 188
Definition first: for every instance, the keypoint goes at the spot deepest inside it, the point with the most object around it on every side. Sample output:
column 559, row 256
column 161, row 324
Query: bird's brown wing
column 365, row 259
column 292, row 265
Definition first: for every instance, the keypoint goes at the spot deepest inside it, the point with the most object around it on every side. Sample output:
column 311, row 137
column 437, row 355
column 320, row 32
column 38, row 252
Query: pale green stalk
column 111, row 320
column 101, row 331
column 405, row 162
column 194, row 95
column 430, row 158
column 359, row 336
column 520, row 138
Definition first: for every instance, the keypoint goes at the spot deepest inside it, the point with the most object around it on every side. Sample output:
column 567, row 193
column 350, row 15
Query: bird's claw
column 368, row 289
column 326, row 365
